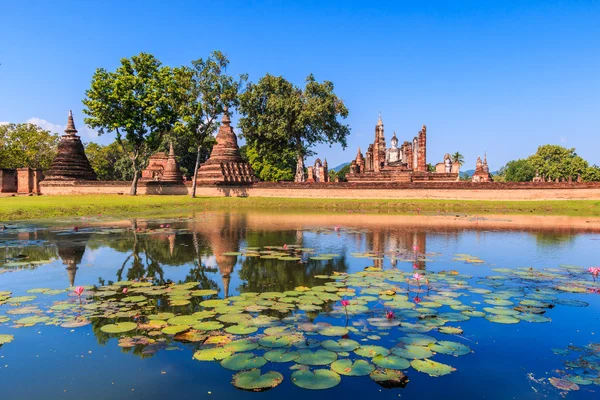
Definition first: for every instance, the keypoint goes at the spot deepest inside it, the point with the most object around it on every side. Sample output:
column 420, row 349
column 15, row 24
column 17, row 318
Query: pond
column 256, row 305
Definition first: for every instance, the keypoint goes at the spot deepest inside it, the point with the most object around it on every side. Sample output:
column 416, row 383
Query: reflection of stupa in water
column 71, row 249
column 382, row 240
column 223, row 233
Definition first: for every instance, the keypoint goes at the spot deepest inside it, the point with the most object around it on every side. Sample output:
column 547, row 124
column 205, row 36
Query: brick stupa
column 70, row 162
column 163, row 168
column 225, row 164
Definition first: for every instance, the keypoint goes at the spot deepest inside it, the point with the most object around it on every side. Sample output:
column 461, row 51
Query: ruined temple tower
column 422, row 150
column 225, row 163
column 70, row 162
column 172, row 172
column 379, row 146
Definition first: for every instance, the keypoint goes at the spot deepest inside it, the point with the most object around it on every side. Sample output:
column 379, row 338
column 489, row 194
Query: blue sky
column 495, row 76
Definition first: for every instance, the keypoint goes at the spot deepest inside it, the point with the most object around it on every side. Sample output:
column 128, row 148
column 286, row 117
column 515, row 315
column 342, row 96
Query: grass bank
column 41, row 207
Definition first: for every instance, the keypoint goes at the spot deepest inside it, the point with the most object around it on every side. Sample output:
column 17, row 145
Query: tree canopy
column 138, row 102
column 278, row 117
column 551, row 162
column 206, row 92
column 26, row 146
column 270, row 167
column 109, row 162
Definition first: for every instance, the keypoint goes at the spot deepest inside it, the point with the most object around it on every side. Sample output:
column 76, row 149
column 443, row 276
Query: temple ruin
column 404, row 163
column 225, row 164
column 482, row 171
column 70, row 163
column 163, row 168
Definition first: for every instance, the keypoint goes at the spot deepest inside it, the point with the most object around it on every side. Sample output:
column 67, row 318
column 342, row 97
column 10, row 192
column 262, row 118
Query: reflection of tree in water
column 274, row 275
column 553, row 238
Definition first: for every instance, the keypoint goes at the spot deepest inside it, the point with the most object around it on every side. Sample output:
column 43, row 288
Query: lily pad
column 432, row 368
column 450, row 348
column 389, row 378
column 340, row 345
column 120, row 327
column 243, row 361
column 281, row 355
column 6, row 339
column 212, row 354
column 412, row 352
column 391, row 362
column 254, row 381
column 349, row 368
column 318, row 357
column 316, row 380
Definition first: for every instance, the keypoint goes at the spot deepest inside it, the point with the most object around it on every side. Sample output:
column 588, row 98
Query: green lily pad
column 275, row 342
column 316, row 380
column 281, row 355
column 412, row 352
column 502, row 319
column 450, row 348
column 418, row 339
column 254, row 381
column 530, row 317
column 120, row 327
column 391, row 362
column 318, row 357
column 371, row 351
column 340, row 345
column 6, row 339
column 349, row 368
column 241, row 329
column 243, row 361
column 212, row 354
column 208, row 326
column 175, row 329
column 432, row 368
column 334, row 331
column 241, row 345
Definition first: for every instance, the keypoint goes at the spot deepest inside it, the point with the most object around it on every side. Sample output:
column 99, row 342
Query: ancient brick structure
column 482, row 171
column 395, row 164
column 163, row 168
column 28, row 180
column 70, row 162
column 8, row 180
column 318, row 173
column 225, row 163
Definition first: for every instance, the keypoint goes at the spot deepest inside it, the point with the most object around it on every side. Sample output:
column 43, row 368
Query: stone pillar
column 422, row 151
column 311, row 174
column 25, row 180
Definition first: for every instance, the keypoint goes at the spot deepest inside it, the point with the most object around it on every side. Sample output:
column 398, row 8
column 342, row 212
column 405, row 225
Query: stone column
column 422, row 152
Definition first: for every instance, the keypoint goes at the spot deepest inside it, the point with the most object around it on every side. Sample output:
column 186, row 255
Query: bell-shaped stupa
column 225, row 163
column 70, row 162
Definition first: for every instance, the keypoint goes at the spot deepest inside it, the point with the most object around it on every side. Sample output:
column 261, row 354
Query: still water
column 495, row 308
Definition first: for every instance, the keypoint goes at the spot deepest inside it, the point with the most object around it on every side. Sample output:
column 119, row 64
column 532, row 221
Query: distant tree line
column 551, row 162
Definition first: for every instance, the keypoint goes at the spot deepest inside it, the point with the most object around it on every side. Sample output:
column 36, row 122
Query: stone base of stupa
column 225, row 172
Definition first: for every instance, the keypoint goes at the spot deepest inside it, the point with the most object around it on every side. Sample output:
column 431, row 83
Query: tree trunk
column 196, row 171
column 134, row 183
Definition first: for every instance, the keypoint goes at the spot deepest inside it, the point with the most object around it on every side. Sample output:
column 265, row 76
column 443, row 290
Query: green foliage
column 343, row 171
column 26, row 145
column 557, row 162
column 458, row 157
column 551, row 162
column 518, row 171
column 430, row 167
column 269, row 167
column 138, row 102
column 205, row 92
column 279, row 117
column 110, row 162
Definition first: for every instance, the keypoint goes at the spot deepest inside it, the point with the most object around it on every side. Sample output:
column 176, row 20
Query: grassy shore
column 42, row 207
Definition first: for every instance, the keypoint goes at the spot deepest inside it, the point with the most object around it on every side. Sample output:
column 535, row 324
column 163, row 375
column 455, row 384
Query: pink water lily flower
column 389, row 315
column 78, row 290
column 337, row 228
column 417, row 299
column 345, row 303
column 594, row 270
column 417, row 276
column 125, row 290
column 285, row 246
column 415, row 248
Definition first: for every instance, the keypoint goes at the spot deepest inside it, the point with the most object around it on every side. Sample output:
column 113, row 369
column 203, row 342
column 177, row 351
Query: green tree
column 518, row 171
column 557, row 162
column 343, row 171
column 270, row 167
column 26, row 146
column 138, row 102
column 109, row 162
column 458, row 158
column 430, row 167
column 279, row 117
column 207, row 92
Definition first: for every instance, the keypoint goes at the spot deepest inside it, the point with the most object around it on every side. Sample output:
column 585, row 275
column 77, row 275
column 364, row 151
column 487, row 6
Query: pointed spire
column 171, row 150
column 379, row 121
column 225, row 120
column 394, row 134
column 485, row 157
column 70, row 125
column 325, row 163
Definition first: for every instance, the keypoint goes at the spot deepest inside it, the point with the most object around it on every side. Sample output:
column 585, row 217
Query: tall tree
column 270, row 167
column 518, row 171
column 458, row 158
column 207, row 91
column 138, row 102
column 557, row 162
column 279, row 117
column 109, row 162
column 26, row 146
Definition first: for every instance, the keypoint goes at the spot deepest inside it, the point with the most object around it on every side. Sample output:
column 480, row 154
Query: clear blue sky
column 502, row 76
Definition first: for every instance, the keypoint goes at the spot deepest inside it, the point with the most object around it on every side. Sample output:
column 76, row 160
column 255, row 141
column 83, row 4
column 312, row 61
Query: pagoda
column 225, row 164
column 163, row 168
column 70, row 162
